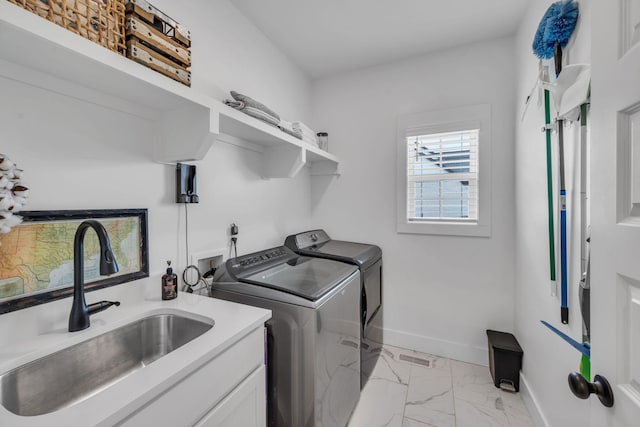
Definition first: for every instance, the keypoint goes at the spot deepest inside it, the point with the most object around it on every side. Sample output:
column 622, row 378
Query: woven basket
column 101, row 21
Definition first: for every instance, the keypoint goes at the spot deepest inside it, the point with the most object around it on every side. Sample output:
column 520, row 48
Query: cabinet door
column 244, row 406
column 188, row 400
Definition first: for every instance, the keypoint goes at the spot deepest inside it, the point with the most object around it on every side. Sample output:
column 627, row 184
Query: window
column 444, row 172
column 442, row 176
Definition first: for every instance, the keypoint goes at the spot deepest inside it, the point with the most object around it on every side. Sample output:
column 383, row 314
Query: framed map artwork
column 36, row 257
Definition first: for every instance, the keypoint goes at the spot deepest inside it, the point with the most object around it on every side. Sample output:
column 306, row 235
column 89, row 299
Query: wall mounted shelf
column 39, row 53
column 284, row 154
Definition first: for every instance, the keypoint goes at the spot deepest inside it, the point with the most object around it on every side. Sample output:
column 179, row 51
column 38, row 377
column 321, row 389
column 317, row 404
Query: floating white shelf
column 284, row 154
column 42, row 54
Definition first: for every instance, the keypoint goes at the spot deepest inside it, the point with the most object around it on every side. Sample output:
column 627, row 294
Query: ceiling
column 325, row 37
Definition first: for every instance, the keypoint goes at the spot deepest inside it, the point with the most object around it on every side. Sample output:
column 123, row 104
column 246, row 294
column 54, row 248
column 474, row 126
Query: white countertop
column 32, row 333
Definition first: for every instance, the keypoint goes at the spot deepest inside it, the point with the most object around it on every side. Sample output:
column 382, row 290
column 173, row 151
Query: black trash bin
column 505, row 360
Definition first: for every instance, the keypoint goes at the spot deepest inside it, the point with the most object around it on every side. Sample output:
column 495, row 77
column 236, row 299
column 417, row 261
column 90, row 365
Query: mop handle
column 564, row 309
column 552, row 248
column 584, row 291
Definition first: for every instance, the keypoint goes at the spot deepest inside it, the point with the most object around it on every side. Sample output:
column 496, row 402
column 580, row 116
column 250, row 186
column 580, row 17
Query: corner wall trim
column 531, row 402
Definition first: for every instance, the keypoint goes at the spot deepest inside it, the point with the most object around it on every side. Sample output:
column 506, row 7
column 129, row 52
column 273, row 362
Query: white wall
column 230, row 53
column 431, row 302
column 77, row 155
column 547, row 359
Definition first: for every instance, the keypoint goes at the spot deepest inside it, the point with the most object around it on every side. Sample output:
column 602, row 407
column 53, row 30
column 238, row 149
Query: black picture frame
column 30, row 300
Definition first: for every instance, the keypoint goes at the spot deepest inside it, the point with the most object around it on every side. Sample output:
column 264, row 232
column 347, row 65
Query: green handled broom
column 552, row 35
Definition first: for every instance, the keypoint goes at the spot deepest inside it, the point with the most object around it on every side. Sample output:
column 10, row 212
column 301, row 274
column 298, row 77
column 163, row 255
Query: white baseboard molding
column 438, row 347
column 531, row 402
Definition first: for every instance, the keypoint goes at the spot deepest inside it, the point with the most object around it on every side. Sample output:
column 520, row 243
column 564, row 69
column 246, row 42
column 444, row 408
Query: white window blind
column 442, row 176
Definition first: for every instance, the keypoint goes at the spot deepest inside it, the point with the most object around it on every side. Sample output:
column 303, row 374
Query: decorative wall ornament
column 13, row 194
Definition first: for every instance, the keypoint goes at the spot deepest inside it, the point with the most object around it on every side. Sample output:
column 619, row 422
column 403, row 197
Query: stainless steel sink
column 71, row 375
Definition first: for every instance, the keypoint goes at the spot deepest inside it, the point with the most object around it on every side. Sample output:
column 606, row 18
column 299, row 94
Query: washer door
column 309, row 278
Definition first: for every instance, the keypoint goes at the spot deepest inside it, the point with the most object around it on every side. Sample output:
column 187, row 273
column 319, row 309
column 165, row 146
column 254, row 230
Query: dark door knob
column 582, row 388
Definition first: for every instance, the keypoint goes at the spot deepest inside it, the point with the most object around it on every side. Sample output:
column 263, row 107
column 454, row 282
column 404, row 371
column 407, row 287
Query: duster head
column 556, row 26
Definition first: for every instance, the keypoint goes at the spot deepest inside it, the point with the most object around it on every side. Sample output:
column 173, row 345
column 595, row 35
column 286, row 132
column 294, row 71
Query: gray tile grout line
column 411, row 367
column 406, row 394
column 453, row 394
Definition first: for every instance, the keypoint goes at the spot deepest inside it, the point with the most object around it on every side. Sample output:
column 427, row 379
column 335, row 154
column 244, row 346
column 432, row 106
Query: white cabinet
column 229, row 387
column 186, row 122
column 244, row 406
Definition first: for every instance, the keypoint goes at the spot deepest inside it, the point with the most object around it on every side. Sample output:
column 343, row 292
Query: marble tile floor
column 412, row 389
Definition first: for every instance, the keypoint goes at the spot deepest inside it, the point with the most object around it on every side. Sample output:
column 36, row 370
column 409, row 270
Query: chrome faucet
column 79, row 317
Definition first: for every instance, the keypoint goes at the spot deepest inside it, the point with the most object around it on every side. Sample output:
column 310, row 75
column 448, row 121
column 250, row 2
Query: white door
column 615, row 208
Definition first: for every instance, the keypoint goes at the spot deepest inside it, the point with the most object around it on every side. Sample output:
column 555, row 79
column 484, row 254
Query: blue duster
column 556, row 26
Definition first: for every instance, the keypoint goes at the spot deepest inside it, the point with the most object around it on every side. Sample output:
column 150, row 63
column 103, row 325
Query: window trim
column 439, row 121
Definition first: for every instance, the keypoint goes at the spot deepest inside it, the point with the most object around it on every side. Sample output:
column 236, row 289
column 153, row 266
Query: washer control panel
column 257, row 261
column 262, row 257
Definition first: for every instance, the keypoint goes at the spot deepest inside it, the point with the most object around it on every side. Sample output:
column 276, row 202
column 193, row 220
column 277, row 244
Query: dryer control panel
column 309, row 239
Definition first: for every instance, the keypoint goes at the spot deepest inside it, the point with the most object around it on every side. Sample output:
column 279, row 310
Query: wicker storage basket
column 101, row 21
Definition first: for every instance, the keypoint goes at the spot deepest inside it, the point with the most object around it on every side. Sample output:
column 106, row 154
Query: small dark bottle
column 169, row 284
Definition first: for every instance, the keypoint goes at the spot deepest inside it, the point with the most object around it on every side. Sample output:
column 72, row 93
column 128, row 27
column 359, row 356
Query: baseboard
column 449, row 349
column 530, row 401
